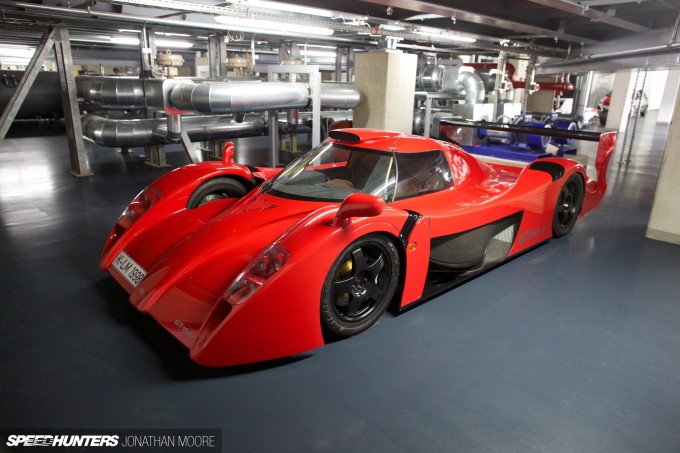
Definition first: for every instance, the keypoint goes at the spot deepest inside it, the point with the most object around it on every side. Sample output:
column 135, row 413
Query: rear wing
column 450, row 131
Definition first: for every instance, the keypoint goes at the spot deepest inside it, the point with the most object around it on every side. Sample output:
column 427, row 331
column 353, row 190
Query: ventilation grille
column 507, row 234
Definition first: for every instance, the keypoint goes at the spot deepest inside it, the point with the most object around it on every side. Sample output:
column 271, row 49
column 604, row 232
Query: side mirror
column 228, row 153
column 358, row 205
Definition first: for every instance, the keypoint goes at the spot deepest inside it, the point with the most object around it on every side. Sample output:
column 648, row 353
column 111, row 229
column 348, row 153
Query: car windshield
column 331, row 172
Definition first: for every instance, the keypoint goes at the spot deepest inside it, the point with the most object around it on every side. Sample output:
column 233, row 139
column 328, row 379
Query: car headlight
column 142, row 203
column 257, row 273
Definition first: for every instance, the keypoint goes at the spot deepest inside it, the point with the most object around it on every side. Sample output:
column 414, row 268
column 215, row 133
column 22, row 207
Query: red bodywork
column 193, row 256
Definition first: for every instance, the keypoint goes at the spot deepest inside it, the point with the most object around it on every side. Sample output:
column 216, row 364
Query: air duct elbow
column 473, row 86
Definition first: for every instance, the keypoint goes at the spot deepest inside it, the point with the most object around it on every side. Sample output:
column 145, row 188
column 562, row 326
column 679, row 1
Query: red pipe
column 557, row 86
column 509, row 68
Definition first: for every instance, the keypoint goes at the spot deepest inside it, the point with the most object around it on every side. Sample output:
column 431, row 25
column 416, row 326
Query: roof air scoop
column 344, row 136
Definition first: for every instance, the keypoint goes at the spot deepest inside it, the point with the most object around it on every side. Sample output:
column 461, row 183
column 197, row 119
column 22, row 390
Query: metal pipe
column 509, row 68
column 473, row 86
column 646, row 51
column 293, row 120
column 212, row 97
column 117, row 91
column 232, row 97
column 174, row 128
column 339, row 95
column 145, row 132
column 235, row 97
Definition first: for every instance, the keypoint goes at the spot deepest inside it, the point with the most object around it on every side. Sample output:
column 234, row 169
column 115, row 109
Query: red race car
column 245, row 264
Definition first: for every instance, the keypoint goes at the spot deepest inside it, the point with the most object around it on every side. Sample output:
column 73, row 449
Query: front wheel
column 568, row 206
column 216, row 189
column 359, row 286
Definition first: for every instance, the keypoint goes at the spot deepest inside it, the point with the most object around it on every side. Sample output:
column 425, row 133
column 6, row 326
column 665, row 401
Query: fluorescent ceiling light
column 424, row 17
column 171, row 43
column 174, row 43
column 265, row 4
column 8, row 51
column 271, row 27
column 317, row 53
column 316, row 46
column 392, row 27
column 444, row 36
column 125, row 40
column 179, row 35
column 104, row 39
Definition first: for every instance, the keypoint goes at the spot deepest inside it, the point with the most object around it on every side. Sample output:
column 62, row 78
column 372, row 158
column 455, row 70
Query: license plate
column 128, row 268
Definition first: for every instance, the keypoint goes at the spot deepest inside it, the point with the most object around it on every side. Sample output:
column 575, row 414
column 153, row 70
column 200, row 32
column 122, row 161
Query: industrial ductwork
column 178, row 96
column 472, row 85
column 210, row 96
column 449, row 78
column 236, row 97
column 145, row 132
column 114, row 91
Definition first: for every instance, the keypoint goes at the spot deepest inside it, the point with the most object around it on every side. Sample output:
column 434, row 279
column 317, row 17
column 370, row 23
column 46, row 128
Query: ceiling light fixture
column 444, row 36
column 177, row 35
column 265, row 4
column 270, row 27
column 317, row 53
column 169, row 43
column 174, row 43
column 392, row 27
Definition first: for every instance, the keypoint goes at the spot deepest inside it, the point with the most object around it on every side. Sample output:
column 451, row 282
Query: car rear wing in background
column 468, row 134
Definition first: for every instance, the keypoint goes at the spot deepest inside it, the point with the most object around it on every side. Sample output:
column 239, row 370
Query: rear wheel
column 568, row 206
column 359, row 286
column 216, row 189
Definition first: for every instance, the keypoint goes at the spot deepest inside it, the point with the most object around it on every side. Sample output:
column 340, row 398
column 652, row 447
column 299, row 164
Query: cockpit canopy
column 332, row 171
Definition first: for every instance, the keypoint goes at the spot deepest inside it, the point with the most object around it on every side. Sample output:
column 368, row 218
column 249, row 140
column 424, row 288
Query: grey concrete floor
column 573, row 347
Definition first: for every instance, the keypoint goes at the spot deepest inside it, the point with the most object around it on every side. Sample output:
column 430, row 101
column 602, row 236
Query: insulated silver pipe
column 145, row 132
column 234, row 97
column 211, row 97
column 174, row 127
column 473, row 86
column 239, row 97
column 115, row 91
column 339, row 95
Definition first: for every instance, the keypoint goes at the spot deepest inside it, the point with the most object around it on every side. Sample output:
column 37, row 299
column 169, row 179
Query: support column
column 217, row 56
column 670, row 93
column 664, row 222
column 69, row 101
column 387, row 83
column 619, row 106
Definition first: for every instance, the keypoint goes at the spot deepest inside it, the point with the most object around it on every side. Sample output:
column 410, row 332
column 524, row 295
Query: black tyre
column 568, row 206
column 359, row 286
column 216, row 189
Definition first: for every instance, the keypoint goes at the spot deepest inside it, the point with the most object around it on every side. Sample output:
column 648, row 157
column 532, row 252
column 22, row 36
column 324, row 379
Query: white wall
column 654, row 85
column 664, row 222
